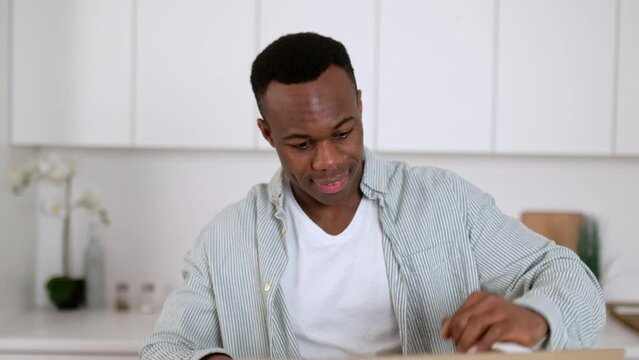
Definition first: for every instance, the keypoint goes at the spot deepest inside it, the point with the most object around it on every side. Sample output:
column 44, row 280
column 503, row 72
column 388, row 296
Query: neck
column 333, row 219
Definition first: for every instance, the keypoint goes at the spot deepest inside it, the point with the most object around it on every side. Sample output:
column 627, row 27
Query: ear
column 359, row 102
column 265, row 130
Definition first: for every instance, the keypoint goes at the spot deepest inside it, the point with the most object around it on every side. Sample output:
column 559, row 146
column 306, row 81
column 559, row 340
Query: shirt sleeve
column 188, row 326
column 534, row 272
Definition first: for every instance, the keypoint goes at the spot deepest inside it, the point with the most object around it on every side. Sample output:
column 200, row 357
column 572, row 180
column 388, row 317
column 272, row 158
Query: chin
column 333, row 199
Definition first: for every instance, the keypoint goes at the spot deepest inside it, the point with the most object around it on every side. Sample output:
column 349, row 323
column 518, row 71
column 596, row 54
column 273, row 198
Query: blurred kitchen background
column 534, row 101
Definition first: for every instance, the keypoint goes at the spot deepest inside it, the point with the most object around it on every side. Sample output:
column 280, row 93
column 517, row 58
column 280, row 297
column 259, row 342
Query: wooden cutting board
column 561, row 227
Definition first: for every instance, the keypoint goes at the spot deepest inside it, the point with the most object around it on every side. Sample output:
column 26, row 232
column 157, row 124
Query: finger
column 445, row 332
column 460, row 319
column 494, row 334
column 476, row 327
column 472, row 300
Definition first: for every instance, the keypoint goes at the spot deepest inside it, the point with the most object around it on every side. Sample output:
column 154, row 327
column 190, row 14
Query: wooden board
column 561, row 227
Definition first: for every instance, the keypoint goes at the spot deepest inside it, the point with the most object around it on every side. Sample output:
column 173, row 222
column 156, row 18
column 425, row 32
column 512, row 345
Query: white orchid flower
column 54, row 168
column 23, row 175
column 46, row 164
column 16, row 171
column 53, row 208
column 90, row 201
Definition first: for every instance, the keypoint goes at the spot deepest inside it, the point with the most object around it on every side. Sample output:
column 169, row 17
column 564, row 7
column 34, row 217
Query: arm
column 533, row 278
column 188, row 326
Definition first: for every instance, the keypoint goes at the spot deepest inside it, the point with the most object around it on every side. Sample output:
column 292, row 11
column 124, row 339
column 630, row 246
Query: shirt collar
column 377, row 172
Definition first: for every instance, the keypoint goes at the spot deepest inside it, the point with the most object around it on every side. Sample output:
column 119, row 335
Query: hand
column 485, row 318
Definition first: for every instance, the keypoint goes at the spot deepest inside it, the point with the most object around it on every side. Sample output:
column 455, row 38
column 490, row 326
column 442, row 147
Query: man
column 344, row 254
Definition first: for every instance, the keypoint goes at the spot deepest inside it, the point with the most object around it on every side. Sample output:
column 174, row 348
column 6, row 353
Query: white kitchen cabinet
column 71, row 72
column 436, row 75
column 628, row 80
column 556, row 70
column 193, row 64
column 350, row 22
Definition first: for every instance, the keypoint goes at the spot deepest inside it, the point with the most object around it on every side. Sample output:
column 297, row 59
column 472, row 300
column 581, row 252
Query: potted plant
column 65, row 292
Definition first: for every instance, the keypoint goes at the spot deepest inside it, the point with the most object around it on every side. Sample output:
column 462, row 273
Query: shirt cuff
column 556, row 337
column 541, row 344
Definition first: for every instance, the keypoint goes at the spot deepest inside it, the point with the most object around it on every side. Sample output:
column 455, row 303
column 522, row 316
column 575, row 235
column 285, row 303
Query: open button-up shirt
column 444, row 239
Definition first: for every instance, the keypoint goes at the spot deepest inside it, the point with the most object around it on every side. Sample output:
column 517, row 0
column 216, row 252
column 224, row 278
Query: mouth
column 331, row 186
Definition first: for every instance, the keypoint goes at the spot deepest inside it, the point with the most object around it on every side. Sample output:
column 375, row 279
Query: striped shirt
column 444, row 239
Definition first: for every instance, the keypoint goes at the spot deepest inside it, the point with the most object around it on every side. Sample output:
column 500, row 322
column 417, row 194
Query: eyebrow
column 302, row 136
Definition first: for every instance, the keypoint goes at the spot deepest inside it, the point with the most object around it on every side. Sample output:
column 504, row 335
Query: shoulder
column 396, row 177
column 442, row 191
column 432, row 175
column 427, row 180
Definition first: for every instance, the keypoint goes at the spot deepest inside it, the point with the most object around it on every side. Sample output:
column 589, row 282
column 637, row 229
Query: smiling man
column 344, row 254
column 316, row 128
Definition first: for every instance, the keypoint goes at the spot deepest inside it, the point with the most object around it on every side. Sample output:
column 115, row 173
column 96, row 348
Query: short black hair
column 297, row 58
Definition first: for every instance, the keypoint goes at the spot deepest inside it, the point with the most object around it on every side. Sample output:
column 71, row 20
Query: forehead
column 331, row 94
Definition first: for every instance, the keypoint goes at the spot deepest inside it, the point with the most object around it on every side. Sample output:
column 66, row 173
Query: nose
column 326, row 156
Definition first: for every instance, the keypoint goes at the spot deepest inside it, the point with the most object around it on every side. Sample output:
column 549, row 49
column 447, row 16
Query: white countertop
column 76, row 332
column 616, row 335
column 109, row 333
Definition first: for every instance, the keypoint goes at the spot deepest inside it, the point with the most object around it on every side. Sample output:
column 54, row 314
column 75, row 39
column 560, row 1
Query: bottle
column 147, row 301
column 122, row 303
column 94, row 270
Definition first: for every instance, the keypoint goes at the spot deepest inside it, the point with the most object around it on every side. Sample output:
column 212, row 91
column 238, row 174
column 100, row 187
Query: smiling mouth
column 331, row 186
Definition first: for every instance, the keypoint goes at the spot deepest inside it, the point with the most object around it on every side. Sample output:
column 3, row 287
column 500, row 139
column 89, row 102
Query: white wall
column 160, row 200
column 158, row 203
column 17, row 220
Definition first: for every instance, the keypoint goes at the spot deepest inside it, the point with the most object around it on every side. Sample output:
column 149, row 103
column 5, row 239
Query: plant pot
column 65, row 292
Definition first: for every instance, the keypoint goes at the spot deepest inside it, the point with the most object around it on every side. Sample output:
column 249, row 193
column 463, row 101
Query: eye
column 343, row 135
column 302, row 146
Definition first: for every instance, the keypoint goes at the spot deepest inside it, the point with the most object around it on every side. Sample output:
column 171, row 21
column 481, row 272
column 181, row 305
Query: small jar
column 147, row 300
column 122, row 302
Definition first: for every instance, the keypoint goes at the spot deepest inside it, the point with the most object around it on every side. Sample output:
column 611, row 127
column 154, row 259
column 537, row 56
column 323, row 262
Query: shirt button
column 267, row 287
column 283, row 231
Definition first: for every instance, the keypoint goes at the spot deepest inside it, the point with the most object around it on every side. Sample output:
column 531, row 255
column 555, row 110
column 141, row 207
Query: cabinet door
column 193, row 65
column 71, row 72
column 628, row 83
column 556, row 76
column 350, row 22
column 436, row 75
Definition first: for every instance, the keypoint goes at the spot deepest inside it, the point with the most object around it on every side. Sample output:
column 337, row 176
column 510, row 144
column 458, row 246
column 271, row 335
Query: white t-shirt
column 336, row 287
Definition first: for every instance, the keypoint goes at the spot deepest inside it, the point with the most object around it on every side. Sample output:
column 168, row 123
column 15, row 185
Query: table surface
column 617, row 335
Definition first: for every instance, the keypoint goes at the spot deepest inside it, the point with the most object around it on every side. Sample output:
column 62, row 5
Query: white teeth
column 332, row 184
